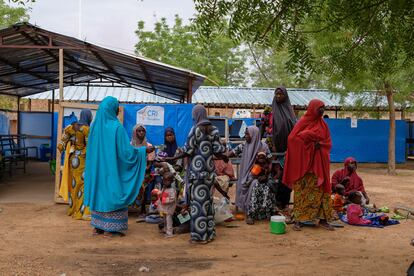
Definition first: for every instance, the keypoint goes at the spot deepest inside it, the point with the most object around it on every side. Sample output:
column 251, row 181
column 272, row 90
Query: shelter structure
column 227, row 99
column 258, row 98
column 35, row 60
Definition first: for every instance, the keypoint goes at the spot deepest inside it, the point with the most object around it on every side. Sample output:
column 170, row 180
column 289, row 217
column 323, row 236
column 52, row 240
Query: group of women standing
column 116, row 167
column 300, row 162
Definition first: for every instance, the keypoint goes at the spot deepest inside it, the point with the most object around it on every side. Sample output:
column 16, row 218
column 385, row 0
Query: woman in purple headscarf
column 246, row 186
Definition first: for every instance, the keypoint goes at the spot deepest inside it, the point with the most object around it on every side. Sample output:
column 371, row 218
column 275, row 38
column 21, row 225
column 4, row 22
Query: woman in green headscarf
column 114, row 171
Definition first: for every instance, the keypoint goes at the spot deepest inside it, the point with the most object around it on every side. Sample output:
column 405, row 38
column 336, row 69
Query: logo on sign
column 151, row 116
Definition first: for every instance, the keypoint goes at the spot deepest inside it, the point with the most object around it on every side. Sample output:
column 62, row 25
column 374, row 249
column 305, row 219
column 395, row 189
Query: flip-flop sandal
column 198, row 242
column 327, row 226
column 384, row 209
column 337, row 224
column 113, row 235
column 249, row 221
column 397, row 217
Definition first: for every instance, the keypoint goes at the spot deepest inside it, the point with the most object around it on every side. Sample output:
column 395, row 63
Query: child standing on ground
column 168, row 202
column 354, row 211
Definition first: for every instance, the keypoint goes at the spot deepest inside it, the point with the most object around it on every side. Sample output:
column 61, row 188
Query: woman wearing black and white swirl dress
column 202, row 144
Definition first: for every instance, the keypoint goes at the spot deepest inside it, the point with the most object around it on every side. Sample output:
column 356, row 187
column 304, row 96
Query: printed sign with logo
column 151, row 116
column 354, row 123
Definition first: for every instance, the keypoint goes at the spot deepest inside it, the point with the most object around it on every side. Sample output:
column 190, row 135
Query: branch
column 257, row 63
column 273, row 22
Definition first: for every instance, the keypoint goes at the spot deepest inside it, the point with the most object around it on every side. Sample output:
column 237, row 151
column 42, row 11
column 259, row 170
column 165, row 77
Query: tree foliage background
column 8, row 16
column 220, row 59
column 357, row 45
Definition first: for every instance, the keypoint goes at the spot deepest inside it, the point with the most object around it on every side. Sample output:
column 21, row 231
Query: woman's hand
column 150, row 149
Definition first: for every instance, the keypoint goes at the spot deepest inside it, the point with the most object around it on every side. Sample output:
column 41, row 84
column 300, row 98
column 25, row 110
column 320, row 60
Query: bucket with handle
column 278, row 225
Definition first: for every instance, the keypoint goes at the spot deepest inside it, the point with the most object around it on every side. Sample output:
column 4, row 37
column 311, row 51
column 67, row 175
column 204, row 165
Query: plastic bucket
column 277, row 225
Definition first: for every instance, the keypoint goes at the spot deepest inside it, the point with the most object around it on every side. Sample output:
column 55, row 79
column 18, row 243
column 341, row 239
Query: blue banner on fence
column 157, row 117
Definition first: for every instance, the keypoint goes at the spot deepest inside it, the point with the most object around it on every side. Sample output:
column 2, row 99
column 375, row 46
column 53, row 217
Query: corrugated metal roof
column 29, row 64
column 242, row 97
column 261, row 97
column 97, row 94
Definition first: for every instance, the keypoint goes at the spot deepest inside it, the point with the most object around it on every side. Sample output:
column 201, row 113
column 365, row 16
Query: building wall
column 331, row 114
column 43, row 105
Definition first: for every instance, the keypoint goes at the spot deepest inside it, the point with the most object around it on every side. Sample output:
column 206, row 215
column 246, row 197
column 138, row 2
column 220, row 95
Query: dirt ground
column 37, row 238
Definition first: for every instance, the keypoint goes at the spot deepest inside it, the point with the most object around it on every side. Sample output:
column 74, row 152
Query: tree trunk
column 391, row 138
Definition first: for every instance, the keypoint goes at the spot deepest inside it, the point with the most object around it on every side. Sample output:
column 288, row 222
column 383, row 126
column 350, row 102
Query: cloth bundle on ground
column 374, row 218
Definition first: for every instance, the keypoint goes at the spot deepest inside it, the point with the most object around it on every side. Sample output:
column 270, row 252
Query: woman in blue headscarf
column 114, row 171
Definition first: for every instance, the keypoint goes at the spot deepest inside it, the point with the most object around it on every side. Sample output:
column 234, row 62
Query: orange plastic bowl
column 256, row 170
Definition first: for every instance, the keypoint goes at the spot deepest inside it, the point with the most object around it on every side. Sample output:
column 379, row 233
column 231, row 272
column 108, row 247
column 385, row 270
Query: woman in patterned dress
column 202, row 144
column 246, row 186
column 114, row 171
column 76, row 137
column 307, row 168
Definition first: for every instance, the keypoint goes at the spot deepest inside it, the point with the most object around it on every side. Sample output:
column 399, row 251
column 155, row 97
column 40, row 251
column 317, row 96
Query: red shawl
column 355, row 182
column 302, row 157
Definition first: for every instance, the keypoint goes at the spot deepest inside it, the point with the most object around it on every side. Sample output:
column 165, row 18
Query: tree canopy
column 221, row 59
column 358, row 45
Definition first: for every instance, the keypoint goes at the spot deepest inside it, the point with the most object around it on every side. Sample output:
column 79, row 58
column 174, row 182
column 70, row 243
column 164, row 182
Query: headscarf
column 302, row 157
column 170, row 147
column 114, row 169
column 355, row 182
column 248, row 159
column 85, row 117
column 135, row 141
column 283, row 121
column 144, row 142
column 200, row 115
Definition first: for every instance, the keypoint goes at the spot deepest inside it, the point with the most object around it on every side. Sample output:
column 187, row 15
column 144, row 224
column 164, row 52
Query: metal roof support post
column 87, row 92
column 190, row 90
column 60, row 75
column 18, row 115
column 53, row 122
column 336, row 113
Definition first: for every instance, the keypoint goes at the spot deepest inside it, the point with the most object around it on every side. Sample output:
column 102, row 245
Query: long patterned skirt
column 261, row 203
column 202, row 210
column 76, row 208
column 310, row 202
column 114, row 222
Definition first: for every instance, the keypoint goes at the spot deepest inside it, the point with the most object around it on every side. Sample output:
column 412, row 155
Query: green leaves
column 355, row 45
column 220, row 58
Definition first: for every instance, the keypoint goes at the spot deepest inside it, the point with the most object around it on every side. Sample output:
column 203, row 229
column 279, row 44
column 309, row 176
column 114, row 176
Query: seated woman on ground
column 349, row 178
column 261, row 205
column 245, row 185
